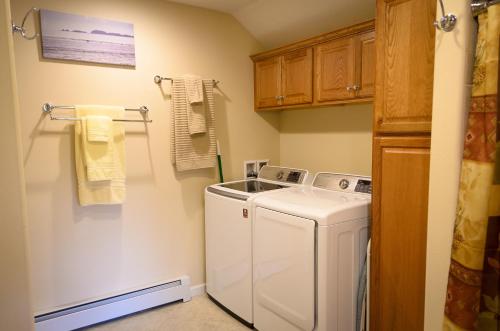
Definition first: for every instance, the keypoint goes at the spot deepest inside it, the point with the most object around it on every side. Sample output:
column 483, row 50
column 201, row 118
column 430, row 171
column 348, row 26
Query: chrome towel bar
column 47, row 108
column 158, row 79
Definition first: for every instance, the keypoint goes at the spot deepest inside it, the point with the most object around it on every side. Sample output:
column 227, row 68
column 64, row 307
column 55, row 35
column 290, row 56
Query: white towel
column 194, row 88
column 195, row 107
column 191, row 151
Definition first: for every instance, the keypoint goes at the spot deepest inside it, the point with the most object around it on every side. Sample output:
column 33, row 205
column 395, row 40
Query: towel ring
column 21, row 29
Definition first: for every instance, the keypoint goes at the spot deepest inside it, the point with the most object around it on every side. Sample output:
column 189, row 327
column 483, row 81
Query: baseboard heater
column 113, row 307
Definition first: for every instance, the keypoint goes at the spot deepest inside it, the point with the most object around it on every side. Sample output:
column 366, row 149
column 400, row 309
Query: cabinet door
column 296, row 77
column 365, row 65
column 405, row 65
column 334, row 70
column 268, row 82
column 399, row 232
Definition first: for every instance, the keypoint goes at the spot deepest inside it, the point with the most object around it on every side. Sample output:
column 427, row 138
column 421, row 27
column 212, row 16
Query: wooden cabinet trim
column 318, row 105
column 404, row 141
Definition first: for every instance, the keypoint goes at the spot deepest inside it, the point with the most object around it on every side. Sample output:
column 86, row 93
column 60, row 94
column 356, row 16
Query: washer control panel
column 343, row 183
column 281, row 174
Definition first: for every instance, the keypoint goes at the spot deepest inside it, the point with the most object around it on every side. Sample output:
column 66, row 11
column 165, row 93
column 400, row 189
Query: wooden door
column 365, row 65
column 405, row 65
column 399, row 232
column 296, row 77
column 268, row 82
column 334, row 70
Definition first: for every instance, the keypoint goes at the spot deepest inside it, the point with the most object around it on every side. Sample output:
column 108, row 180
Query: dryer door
column 284, row 271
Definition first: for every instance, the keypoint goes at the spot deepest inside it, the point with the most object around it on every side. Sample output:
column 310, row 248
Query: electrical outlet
column 250, row 169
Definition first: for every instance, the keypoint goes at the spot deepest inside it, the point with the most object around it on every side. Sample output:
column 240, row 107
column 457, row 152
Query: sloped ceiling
column 277, row 22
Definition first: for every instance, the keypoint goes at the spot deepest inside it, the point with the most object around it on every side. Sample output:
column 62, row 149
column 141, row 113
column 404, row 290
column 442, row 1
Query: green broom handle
column 219, row 162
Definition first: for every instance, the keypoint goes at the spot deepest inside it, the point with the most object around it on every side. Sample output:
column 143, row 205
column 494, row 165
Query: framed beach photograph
column 89, row 39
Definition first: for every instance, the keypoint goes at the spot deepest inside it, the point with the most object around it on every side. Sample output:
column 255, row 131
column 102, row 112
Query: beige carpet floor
column 199, row 314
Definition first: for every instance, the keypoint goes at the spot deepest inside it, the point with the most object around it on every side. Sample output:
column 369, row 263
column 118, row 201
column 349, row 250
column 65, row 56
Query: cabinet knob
column 355, row 87
column 349, row 88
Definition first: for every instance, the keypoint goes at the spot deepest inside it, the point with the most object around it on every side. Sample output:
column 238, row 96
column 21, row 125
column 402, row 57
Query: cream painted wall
column 84, row 253
column 453, row 63
column 15, row 307
column 335, row 139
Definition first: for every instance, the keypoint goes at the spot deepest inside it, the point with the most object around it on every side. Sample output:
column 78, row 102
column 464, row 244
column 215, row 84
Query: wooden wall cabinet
column 284, row 80
column 343, row 66
column 401, row 153
column 405, row 65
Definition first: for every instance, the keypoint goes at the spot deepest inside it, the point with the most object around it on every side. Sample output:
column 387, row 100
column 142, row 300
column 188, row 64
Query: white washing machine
column 228, row 236
column 309, row 245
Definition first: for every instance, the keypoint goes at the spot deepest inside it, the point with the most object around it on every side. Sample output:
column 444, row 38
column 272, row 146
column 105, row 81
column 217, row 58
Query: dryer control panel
column 343, row 183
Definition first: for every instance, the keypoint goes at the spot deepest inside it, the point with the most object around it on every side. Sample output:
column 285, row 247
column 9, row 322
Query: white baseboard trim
column 198, row 290
column 102, row 310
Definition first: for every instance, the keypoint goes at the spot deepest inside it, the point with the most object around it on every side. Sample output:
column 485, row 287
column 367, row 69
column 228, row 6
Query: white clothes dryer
column 228, row 236
column 309, row 245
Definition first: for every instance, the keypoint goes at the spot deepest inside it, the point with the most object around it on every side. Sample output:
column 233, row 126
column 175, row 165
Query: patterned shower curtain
column 472, row 298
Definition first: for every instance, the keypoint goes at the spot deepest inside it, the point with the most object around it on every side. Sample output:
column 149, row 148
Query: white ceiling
column 278, row 22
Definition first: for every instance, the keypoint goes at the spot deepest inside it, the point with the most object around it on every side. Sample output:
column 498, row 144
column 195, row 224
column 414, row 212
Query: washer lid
column 324, row 206
column 252, row 186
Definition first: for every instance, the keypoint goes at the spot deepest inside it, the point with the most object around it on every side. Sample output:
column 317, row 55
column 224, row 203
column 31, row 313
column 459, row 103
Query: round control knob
column 280, row 175
column 344, row 183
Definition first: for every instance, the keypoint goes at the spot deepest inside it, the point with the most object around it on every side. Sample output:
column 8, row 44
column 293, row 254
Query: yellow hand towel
column 88, row 157
column 99, row 128
column 100, row 158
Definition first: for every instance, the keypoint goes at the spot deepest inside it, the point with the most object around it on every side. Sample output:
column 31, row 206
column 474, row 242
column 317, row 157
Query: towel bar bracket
column 447, row 22
column 47, row 108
